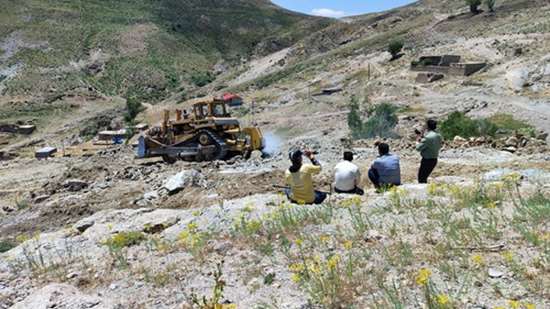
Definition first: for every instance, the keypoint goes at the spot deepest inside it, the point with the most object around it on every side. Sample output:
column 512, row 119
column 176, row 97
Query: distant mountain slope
column 142, row 48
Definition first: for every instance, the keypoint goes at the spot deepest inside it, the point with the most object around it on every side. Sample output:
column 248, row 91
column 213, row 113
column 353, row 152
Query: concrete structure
column 446, row 64
column 17, row 128
column 45, row 152
column 26, row 129
column 113, row 136
column 141, row 127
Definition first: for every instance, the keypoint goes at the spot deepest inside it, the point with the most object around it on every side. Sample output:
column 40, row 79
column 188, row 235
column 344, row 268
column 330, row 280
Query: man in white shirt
column 347, row 176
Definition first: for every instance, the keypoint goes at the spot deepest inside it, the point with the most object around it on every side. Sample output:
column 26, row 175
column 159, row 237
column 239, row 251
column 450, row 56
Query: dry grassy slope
column 148, row 48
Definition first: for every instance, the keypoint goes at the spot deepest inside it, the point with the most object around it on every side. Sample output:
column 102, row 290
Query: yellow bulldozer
column 208, row 133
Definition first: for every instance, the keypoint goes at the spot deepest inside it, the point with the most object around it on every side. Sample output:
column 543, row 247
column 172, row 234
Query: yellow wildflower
column 499, row 307
column 21, row 238
column 314, row 268
column 348, row 244
column 333, row 262
column 296, row 278
column 478, row 260
column 423, row 276
column 296, row 268
column 514, row 304
column 324, row 238
column 432, row 189
column 508, row 256
column 299, row 242
column 442, row 299
column 513, row 178
column 530, row 306
column 183, row 236
column 192, row 226
column 491, row 205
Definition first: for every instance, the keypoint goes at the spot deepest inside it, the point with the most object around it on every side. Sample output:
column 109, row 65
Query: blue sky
column 340, row 8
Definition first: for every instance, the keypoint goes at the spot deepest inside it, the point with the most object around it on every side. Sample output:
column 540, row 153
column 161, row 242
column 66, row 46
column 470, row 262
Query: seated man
column 385, row 170
column 347, row 176
column 299, row 179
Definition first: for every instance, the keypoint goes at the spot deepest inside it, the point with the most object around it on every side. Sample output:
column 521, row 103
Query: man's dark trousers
column 427, row 166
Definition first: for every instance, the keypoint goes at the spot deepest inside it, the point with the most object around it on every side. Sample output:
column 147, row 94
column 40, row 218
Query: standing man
column 429, row 145
column 299, row 179
column 386, row 169
column 347, row 177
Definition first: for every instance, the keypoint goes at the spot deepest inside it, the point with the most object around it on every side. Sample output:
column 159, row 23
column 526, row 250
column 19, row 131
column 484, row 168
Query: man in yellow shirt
column 299, row 179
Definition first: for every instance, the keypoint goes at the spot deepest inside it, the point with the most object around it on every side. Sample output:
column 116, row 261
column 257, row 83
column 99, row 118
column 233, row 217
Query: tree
column 133, row 108
column 490, row 5
column 355, row 123
column 474, row 5
column 395, row 48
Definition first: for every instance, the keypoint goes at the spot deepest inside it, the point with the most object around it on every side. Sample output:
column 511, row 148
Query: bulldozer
column 208, row 133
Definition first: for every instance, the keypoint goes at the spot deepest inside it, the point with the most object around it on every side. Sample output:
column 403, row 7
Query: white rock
column 495, row 273
column 181, row 180
column 517, row 78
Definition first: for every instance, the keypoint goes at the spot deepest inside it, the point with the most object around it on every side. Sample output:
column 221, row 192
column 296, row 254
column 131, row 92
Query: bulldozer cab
column 214, row 109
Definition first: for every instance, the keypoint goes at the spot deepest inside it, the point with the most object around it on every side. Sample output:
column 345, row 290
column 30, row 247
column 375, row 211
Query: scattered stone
column 372, row 236
column 149, row 196
column 495, row 273
column 41, row 198
column 459, row 140
column 510, row 149
column 83, row 225
column 75, row 185
column 8, row 209
column 222, row 248
column 511, row 142
column 542, row 136
column 72, row 275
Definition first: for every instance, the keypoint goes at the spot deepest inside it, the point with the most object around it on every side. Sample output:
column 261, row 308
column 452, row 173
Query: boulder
column 181, row 180
column 518, row 78
column 83, row 225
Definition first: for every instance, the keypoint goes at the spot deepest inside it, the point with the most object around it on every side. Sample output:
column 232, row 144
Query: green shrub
column 202, row 79
column 6, row 246
column 507, row 124
column 474, row 4
column 381, row 122
column 133, row 108
column 123, row 240
column 395, row 47
column 458, row 124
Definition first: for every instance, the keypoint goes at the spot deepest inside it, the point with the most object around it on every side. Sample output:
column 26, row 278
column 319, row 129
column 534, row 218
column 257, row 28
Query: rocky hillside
column 87, row 229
